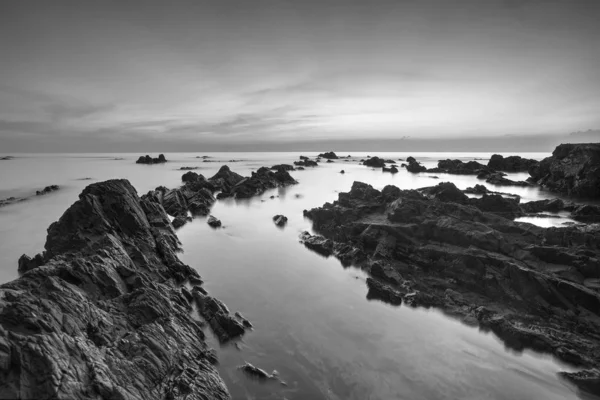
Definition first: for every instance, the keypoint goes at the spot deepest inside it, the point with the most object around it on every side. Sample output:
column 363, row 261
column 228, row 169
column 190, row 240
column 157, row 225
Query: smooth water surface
column 313, row 323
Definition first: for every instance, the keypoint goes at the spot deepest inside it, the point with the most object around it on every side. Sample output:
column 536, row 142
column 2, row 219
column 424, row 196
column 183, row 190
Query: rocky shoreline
column 104, row 311
column 533, row 287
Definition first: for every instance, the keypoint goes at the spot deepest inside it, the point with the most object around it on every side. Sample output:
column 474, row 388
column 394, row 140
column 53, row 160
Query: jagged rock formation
column 149, row 160
column 102, row 313
column 534, row 287
column 511, row 163
column 196, row 196
column 573, row 169
column 234, row 185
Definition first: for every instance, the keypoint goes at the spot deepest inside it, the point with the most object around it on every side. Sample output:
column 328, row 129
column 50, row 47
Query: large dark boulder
column 374, row 162
column 414, row 166
column 330, row 155
column 103, row 312
column 573, row 169
column 511, row 163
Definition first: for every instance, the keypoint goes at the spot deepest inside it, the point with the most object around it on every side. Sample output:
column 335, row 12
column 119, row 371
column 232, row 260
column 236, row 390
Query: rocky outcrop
column 283, row 167
column 149, row 160
column 330, row 155
column 573, row 169
column 534, row 287
column 305, row 162
column 457, row 167
column 46, row 190
column 103, row 312
column 498, row 178
column 511, row 163
column 374, row 162
column 213, row 221
column 414, row 166
column 280, row 220
column 392, row 169
column 256, row 184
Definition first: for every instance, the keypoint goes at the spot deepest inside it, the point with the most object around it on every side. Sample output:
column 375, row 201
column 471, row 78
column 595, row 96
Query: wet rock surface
column 573, row 169
column 533, row 287
column 150, row 160
column 102, row 312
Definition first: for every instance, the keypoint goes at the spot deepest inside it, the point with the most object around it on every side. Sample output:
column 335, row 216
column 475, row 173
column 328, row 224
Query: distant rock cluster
column 149, row 160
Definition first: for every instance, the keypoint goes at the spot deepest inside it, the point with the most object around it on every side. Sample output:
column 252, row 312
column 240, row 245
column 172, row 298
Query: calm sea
column 313, row 323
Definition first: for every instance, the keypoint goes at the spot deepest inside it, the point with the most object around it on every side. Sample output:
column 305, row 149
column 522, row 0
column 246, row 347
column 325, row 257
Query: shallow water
column 313, row 323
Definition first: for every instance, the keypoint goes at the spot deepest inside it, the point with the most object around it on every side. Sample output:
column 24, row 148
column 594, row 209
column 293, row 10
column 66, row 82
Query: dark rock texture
column 573, row 169
column 374, row 162
column 213, row 221
column 234, row 185
column 457, row 167
column 280, row 220
column 330, row 155
column 511, row 163
column 283, row 167
column 149, row 160
column 497, row 178
column 534, row 287
column 305, row 162
column 47, row 189
column 103, row 313
column 414, row 166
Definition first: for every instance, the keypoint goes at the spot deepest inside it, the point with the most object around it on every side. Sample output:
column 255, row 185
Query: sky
column 253, row 74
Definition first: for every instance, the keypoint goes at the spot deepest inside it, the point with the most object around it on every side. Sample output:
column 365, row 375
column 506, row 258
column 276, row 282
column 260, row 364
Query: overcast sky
column 126, row 75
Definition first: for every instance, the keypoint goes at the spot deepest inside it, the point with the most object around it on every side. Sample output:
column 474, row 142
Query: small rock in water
column 214, row 222
column 280, row 220
column 258, row 373
column 342, row 172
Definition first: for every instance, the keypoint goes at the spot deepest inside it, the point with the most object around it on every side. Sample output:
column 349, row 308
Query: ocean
column 312, row 320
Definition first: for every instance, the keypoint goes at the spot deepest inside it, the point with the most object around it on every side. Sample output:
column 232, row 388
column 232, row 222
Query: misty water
column 312, row 320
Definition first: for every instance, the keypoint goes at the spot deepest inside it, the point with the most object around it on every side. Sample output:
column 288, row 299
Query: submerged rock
column 103, row 313
column 534, row 287
column 214, row 222
column 573, row 169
